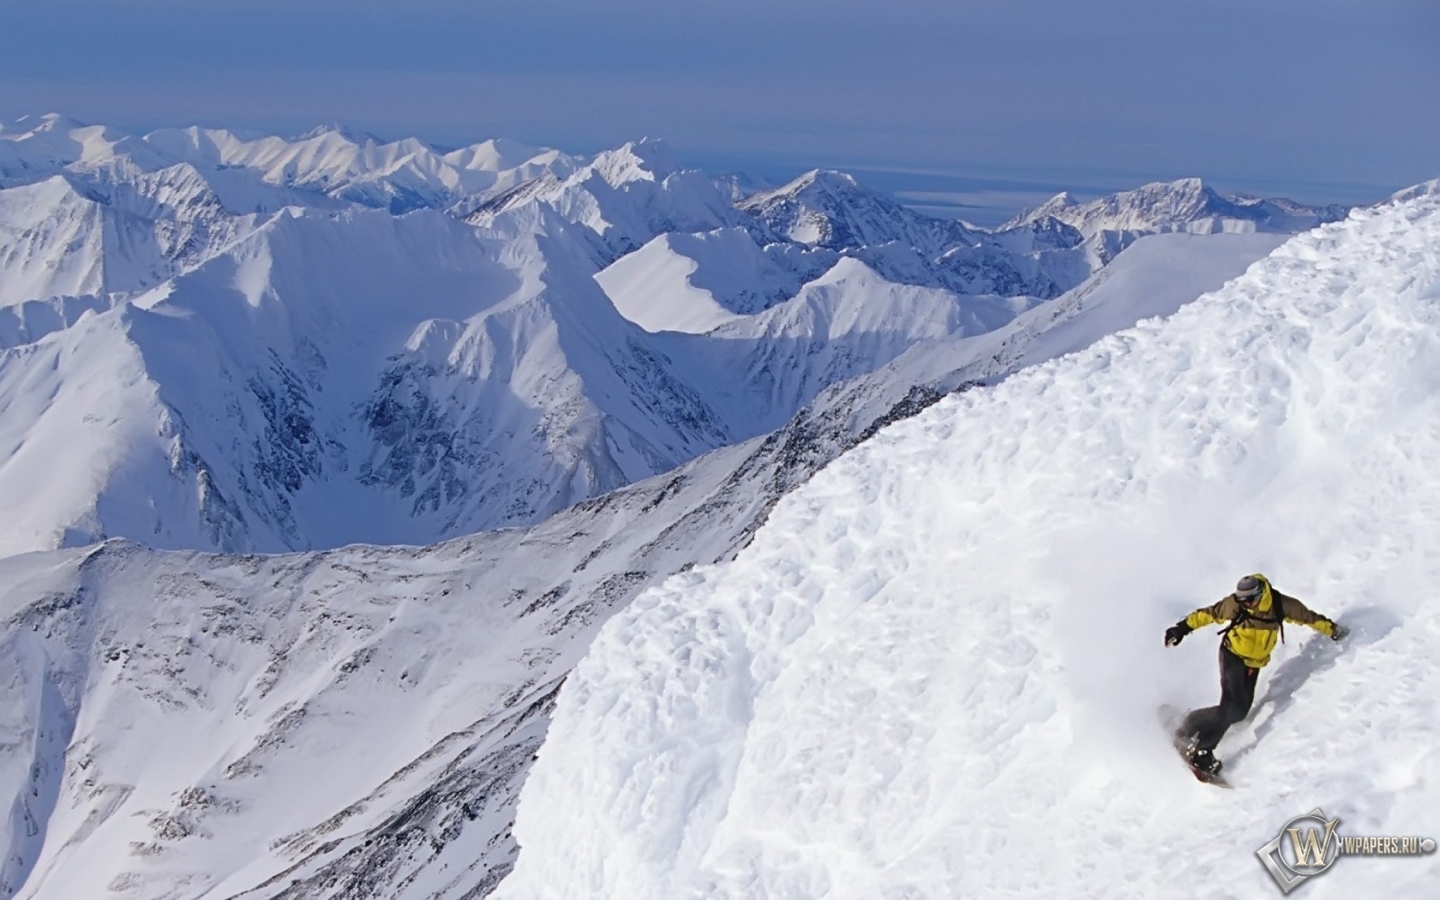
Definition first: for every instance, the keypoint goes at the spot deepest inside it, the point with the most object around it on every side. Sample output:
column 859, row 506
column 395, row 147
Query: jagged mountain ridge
column 1185, row 205
column 326, row 162
column 295, row 402
column 497, row 395
column 831, row 210
column 64, row 236
column 427, row 376
column 626, row 197
column 826, row 208
column 1110, row 224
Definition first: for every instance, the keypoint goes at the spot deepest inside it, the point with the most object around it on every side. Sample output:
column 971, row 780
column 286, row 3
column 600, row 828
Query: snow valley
column 535, row 386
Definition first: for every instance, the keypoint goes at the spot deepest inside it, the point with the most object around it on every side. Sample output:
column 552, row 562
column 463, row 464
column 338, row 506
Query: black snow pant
column 1237, row 693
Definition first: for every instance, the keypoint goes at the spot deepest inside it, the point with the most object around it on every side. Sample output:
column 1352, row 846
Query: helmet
column 1249, row 589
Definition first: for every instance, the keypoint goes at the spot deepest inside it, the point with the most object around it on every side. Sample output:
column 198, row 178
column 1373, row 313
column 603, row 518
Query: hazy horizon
column 942, row 104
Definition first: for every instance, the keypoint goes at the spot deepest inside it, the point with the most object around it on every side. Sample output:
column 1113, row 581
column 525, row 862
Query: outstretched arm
column 1205, row 615
column 1299, row 613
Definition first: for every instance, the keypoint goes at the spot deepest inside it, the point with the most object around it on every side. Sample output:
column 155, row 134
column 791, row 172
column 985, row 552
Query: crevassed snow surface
column 935, row 672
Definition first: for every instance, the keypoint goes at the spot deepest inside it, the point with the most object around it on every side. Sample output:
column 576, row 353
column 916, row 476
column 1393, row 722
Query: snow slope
column 1155, row 276
column 843, row 324
column 695, row 282
column 935, row 671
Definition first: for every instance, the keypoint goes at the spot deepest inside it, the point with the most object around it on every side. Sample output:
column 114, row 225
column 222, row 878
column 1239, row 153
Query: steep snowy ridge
column 963, row 615
column 1155, row 276
column 843, row 324
column 554, row 371
column 231, row 368
column 56, row 241
column 100, row 424
column 1429, row 188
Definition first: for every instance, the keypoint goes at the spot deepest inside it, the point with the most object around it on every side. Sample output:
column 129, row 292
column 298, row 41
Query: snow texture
column 935, row 671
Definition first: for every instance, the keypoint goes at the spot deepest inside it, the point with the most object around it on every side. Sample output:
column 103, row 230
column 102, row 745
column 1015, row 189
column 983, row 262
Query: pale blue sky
column 1317, row 99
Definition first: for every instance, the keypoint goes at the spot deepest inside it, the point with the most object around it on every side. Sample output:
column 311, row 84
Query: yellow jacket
column 1253, row 632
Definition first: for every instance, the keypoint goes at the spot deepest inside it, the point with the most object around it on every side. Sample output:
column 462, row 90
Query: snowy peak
column 117, row 228
column 826, row 208
column 818, row 182
column 831, row 210
column 31, row 149
column 341, row 131
column 644, row 160
column 498, row 154
column 57, row 240
column 625, row 197
column 1429, row 188
column 329, row 162
column 1184, row 205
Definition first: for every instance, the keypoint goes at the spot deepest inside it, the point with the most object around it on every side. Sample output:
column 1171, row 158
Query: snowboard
column 1172, row 718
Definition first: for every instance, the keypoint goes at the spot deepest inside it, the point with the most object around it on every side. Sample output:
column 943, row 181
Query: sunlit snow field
column 936, row 671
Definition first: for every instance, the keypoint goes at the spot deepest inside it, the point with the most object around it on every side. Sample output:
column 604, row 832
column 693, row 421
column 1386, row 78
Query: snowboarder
column 1256, row 613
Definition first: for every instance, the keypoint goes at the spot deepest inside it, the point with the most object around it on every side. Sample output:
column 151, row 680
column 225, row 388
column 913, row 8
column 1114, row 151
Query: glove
column 1176, row 633
column 1338, row 631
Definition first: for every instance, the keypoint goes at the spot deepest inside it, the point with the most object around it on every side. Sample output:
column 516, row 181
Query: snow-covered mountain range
column 1111, row 223
column 171, row 707
column 800, row 687
column 263, row 344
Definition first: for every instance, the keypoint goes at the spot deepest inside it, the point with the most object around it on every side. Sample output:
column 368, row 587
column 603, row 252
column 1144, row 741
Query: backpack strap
column 1241, row 618
column 1276, row 607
